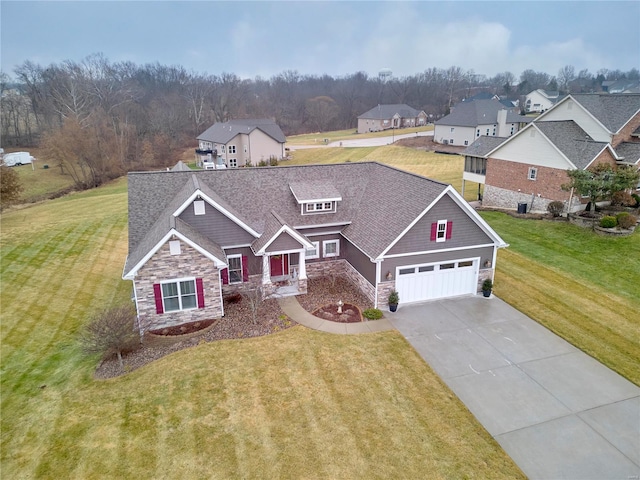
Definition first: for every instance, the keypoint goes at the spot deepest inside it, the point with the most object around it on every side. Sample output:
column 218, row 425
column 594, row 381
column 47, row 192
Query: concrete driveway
column 556, row 411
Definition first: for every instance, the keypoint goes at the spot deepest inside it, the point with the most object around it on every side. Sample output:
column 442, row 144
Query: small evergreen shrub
column 234, row 298
column 608, row 222
column 372, row 314
column 555, row 208
column 626, row 220
column 636, row 197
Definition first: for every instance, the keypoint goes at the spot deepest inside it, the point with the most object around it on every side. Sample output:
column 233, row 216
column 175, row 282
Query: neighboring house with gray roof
column 470, row 120
column 385, row 117
column 195, row 237
column 540, row 100
column 237, row 143
column 579, row 132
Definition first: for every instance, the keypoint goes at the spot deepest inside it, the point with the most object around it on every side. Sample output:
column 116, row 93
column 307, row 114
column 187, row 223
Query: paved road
column 364, row 142
column 556, row 411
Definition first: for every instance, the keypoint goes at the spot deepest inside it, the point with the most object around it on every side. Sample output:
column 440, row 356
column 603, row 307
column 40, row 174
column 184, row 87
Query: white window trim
column 232, row 149
column 229, row 257
column 324, row 248
column 235, row 160
column 177, row 282
column 444, row 231
column 308, row 256
column 533, row 173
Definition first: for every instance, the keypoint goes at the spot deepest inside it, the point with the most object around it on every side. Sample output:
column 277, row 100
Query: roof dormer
column 316, row 197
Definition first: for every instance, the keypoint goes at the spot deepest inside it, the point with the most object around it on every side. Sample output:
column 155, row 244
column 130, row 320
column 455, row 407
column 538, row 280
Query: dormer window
column 316, row 197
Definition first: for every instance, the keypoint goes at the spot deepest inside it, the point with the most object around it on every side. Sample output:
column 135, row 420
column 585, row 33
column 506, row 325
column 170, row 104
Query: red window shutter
column 449, row 229
column 434, row 230
column 200, row 292
column 157, row 292
column 245, row 269
column 224, row 273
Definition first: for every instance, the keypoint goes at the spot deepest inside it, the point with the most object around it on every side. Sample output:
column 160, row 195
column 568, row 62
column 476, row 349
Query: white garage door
column 437, row 280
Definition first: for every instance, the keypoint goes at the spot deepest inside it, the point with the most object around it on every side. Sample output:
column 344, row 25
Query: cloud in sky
column 333, row 37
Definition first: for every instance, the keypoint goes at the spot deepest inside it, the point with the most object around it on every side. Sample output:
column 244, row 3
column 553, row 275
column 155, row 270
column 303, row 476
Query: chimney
column 502, row 123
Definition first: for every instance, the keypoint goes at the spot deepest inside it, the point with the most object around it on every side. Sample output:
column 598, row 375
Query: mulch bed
column 184, row 329
column 350, row 313
column 237, row 324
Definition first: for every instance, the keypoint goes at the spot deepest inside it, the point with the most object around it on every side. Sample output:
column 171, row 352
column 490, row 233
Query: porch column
column 302, row 268
column 266, row 270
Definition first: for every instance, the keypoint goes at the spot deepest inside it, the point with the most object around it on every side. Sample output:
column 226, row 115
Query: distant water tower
column 384, row 74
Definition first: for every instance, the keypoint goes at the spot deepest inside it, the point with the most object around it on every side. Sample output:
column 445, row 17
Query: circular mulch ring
column 350, row 313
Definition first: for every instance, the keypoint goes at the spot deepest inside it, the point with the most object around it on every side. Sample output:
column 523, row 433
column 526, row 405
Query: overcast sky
column 265, row 38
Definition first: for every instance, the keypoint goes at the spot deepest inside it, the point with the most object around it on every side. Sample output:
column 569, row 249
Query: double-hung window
column 232, row 149
column 441, row 230
column 179, row 295
column 533, row 173
column 235, row 268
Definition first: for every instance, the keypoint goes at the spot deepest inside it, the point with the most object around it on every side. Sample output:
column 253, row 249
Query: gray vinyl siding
column 284, row 242
column 390, row 264
column 465, row 231
column 253, row 263
column 358, row 260
column 216, row 226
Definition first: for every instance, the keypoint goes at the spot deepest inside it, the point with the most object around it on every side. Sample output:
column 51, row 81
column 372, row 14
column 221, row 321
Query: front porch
column 281, row 278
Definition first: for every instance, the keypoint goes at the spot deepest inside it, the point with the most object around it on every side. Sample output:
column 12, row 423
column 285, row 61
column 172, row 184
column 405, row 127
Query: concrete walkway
column 292, row 308
column 555, row 410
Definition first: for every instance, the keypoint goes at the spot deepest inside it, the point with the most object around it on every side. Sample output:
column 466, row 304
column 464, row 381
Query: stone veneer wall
column 164, row 266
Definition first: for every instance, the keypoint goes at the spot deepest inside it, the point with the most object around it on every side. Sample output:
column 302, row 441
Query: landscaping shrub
column 622, row 199
column 555, row 208
column 608, row 222
column 234, row 298
column 372, row 314
column 112, row 332
column 636, row 197
column 626, row 220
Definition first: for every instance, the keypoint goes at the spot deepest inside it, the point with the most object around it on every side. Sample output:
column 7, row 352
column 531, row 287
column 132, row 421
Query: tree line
column 98, row 119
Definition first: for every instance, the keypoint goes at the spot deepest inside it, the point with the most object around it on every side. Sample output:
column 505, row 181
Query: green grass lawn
column 300, row 404
column 349, row 134
column 580, row 285
column 39, row 182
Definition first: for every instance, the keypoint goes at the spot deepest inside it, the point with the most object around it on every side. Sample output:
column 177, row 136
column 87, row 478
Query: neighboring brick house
column 540, row 100
column 470, row 120
column 238, row 142
column 385, row 117
column 580, row 131
column 196, row 236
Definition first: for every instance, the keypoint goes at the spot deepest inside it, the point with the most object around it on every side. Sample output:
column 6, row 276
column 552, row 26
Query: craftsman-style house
column 197, row 236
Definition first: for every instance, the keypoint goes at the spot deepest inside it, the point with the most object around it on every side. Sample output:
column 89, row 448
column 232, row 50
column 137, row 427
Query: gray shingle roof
column 314, row 191
column 483, row 145
column 572, row 141
column 630, row 151
column 224, row 132
column 380, row 112
column 613, row 111
column 479, row 112
column 378, row 201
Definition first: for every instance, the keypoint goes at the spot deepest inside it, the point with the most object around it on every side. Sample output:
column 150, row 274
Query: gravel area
column 237, row 324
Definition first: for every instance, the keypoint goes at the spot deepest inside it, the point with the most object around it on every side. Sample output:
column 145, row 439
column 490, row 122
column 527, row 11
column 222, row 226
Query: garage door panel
column 432, row 281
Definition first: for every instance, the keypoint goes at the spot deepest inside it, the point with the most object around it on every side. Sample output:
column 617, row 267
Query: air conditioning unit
column 446, row 142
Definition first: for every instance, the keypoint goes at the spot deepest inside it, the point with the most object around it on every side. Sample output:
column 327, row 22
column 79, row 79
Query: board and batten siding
column 283, row 243
column 216, row 226
column 465, row 232
column 389, row 264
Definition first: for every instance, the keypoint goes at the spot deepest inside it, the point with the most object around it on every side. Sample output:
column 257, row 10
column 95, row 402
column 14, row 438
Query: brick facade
column 162, row 267
column 625, row 132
